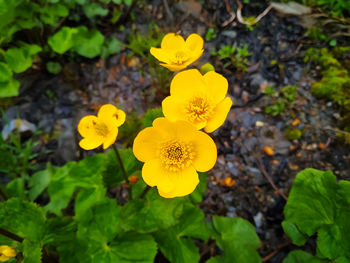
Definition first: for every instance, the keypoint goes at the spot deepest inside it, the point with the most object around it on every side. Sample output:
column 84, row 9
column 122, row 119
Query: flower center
column 179, row 57
column 176, row 155
column 101, row 128
column 198, row 109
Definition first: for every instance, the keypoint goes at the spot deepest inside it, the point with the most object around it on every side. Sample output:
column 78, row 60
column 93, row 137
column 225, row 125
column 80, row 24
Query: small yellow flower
column 173, row 152
column 102, row 129
column 199, row 99
column 176, row 53
column 6, row 253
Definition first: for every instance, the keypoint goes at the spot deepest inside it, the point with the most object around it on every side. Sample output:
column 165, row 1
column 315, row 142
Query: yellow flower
column 176, row 53
column 173, row 152
column 199, row 99
column 102, row 129
column 6, row 253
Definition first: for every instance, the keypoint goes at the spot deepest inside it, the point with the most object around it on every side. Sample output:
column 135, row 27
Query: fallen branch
column 256, row 20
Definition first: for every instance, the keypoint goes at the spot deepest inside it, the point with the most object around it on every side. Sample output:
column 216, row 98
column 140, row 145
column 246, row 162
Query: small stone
column 259, row 124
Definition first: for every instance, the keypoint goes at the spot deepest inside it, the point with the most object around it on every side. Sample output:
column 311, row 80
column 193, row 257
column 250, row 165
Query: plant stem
column 8, row 234
column 145, row 191
column 128, row 185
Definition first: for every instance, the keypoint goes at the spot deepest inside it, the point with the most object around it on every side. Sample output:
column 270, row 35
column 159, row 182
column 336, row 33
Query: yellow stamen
column 198, row 109
column 176, row 155
column 101, row 128
column 179, row 58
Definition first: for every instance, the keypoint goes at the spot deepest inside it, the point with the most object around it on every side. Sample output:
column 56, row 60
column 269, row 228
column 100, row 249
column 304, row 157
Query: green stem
column 128, row 185
column 145, row 191
column 8, row 234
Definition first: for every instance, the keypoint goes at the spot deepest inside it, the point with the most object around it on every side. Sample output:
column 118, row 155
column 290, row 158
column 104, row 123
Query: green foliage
column 238, row 240
column 280, row 100
column 299, row 256
column 53, row 67
column 210, row 35
column 335, row 81
column 150, row 116
column 318, row 204
column 233, row 57
column 337, row 8
column 129, row 130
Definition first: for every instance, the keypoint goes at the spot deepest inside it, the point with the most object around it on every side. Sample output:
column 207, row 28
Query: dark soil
column 55, row 104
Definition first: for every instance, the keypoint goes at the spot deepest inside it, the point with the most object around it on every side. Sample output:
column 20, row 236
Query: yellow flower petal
column 173, row 67
column 86, row 126
column 179, row 129
column 146, row 144
column 108, row 112
column 172, row 109
column 3, row 258
column 187, row 84
column 205, row 152
column 194, row 56
column 7, row 251
column 172, row 41
column 90, row 143
column 184, row 182
column 194, row 42
column 219, row 115
column 160, row 54
column 110, row 138
column 120, row 117
column 217, row 86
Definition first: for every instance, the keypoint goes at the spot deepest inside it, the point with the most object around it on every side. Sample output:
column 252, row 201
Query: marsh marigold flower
column 199, row 99
column 6, row 253
column 176, row 53
column 102, row 129
column 173, row 152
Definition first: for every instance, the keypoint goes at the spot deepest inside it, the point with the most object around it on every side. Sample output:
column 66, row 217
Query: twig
column 11, row 235
column 233, row 15
column 262, row 169
column 278, row 249
column 256, row 20
column 123, row 171
column 145, row 191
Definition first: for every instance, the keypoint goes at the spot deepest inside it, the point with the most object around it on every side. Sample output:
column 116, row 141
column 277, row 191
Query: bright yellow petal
column 174, row 130
column 86, row 126
column 7, row 251
column 173, row 110
column 219, row 115
column 184, row 182
column 173, row 67
column 120, row 117
column 110, row 138
column 187, row 84
column 146, row 144
column 194, row 42
column 172, row 41
column 154, row 174
column 160, row 54
column 205, row 151
column 107, row 110
column 3, row 258
column 90, row 143
column 194, row 56
column 217, row 86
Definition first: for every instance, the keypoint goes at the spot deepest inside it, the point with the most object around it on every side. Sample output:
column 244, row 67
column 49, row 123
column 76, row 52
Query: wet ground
column 259, row 182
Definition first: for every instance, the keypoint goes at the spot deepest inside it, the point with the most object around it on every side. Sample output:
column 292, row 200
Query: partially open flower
column 176, row 53
column 173, row 152
column 102, row 129
column 6, row 253
column 199, row 99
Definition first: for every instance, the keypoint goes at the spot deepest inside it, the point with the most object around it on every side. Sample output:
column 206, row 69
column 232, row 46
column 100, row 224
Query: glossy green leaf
column 297, row 237
column 53, row 67
column 88, row 43
column 94, row 9
column 154, row 213
column 299, row 256
column 20, row 59
column 15, row 188
column 9, row 88
column 5, row 72
column 63, row 40
column 59, row 230
column 31, row 252
column 197, row 195
column 39, row 182
column 111, row 46
column 151, row 115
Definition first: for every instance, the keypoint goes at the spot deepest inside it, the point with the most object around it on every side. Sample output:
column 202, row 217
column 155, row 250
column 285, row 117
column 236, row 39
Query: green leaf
column 9, row 88
column 152, row 214
column 311, row 202
column 150, row 116
column 31, row 252
column 15, row 188
column 237, row 238
column 111, row 46
column 128, row 2
column 299, row 256
column 50, row 14
column 298, row 238
column 86, row 198
column 88, row 43
column 94, row 9
column 59, row 230
column 5, row 72
column 39, row 182
column 177, row 250
column 112, row 173
column 53, row 67
column 197, row 195
column 63, row 40
column 20, row 59
column 22, row 218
